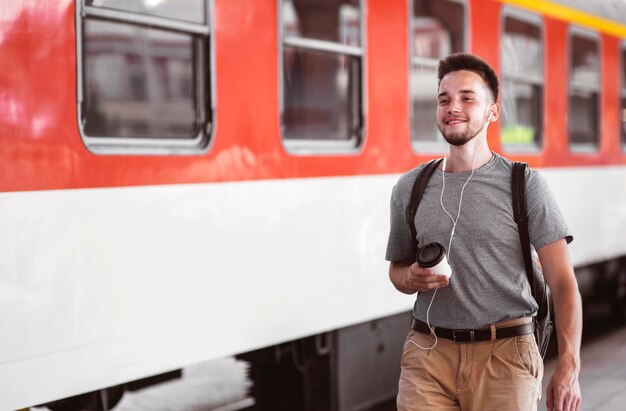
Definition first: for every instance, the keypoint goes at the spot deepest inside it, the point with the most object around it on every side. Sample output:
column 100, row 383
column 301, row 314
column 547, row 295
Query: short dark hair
column 469, row 62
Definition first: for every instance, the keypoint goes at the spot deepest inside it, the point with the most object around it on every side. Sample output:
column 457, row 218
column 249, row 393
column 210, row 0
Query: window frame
column 429, row 147
column 537, row 20
column 322, row 146
column 584, row 148
column 204, row 86
column 622, row 95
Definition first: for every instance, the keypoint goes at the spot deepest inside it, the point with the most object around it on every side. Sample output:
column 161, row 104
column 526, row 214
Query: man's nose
column 454, row 107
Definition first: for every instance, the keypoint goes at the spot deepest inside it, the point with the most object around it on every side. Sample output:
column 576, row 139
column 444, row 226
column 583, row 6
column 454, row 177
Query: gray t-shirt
column 488, row 283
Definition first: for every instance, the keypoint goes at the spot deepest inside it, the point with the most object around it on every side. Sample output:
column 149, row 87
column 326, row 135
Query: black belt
column 470, row 336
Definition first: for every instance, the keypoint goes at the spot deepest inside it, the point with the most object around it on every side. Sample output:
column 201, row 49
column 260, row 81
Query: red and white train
column 183, row 180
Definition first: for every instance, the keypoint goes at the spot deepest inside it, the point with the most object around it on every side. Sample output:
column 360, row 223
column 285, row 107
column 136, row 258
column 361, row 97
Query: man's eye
column 442, row 102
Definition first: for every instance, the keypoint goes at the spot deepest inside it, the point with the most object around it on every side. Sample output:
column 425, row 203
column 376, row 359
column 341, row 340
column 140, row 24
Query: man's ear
column 494, row 113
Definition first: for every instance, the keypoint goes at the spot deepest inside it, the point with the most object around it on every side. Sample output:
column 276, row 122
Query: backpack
column 538, row 286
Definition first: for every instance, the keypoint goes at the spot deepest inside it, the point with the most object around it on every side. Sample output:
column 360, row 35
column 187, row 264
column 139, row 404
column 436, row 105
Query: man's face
column 463, row 106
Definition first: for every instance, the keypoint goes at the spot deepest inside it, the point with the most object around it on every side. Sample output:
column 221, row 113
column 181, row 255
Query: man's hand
column 422, row 279
column 412, row 278
column 563, row 393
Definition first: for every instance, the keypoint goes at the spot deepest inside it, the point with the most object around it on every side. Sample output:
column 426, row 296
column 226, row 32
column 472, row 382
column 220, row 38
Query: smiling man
column 471, row 345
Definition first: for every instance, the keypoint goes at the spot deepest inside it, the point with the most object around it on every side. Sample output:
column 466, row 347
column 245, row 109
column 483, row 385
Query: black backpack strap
column 537, row 283
column 421, row 181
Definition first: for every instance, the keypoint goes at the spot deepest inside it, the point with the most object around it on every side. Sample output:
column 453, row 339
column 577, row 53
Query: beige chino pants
column 499, row 375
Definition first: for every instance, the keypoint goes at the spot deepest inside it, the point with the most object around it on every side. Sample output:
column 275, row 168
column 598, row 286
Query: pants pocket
column 413, row 356
column 528, row 355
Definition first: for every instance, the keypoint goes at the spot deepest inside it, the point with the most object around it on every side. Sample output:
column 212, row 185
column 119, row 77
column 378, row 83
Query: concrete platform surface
column 602, row 376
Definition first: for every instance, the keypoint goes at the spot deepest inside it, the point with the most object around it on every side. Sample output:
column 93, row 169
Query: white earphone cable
column 454, row 222
column 443, row 188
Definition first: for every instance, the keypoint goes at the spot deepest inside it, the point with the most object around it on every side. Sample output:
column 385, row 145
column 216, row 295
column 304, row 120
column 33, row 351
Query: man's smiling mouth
column 455, row 121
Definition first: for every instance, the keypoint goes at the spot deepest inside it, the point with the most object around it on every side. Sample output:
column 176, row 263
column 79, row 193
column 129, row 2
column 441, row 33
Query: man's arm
column 410, row 278
column 563, row 392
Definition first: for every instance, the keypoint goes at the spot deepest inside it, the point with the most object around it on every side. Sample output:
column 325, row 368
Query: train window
column 187, row 10
column 437, row 29
column 521, row 60
column 584, row 91
column 143, row 76
column 321, row 106
column 623, row 98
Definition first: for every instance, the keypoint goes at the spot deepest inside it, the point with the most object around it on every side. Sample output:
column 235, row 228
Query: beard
column 461, row 137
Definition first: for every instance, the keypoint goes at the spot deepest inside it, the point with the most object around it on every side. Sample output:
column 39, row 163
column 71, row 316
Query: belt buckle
column 469, row 332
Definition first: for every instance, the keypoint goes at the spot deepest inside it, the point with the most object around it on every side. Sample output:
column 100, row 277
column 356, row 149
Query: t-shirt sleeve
column 399, row 244
column 545, row 221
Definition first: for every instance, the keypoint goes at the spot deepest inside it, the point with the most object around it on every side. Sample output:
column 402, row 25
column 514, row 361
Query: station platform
column 602, row 375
